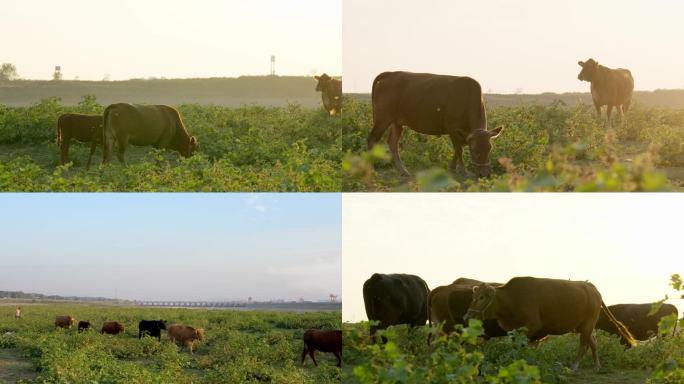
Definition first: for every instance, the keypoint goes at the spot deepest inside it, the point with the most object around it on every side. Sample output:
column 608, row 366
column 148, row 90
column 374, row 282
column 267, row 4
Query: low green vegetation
column 248, row 148
column 239, row 346
column 553, row 147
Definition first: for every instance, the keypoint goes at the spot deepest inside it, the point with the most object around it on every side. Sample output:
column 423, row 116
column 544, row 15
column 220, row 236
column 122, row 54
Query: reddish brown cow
column 83, row 128
column 112, row 328
column 324, row 341
column 331, row 93
column 64, row 321
column 609, row 87
column 545, row 307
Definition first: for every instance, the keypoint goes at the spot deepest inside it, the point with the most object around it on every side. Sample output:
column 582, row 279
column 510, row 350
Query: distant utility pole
column 273, row 71
column 58, row 73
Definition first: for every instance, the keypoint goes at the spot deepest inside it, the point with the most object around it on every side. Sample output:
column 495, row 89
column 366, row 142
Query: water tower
column 273, row 72
column 58, row 73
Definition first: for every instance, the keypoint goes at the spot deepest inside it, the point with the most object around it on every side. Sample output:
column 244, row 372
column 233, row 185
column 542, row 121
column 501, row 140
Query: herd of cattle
column 159, row 126
column 542, row 306
column 314, row 339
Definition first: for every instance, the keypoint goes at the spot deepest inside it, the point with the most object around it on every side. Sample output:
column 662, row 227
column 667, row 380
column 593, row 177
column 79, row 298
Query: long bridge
column 192, row 304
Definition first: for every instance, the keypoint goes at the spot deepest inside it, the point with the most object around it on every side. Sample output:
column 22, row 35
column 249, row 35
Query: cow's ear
column 317, row 77
column 193, row 140
column 581, row 63
column 475, row 288
column 494, row 133
column 469, row 137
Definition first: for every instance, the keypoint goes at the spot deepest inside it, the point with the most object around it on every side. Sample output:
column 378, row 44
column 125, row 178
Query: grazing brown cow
column 331, row 93
column 545, row 307
column 83, row 325
column 610, row 87
column 83, row 128
column 635, row 318
column 65, row 322
column 112, row 328
column 324, row 341
column 185, row 335
column 160, row 126
column 449, row 303
column 433, row 105
column 395, row 299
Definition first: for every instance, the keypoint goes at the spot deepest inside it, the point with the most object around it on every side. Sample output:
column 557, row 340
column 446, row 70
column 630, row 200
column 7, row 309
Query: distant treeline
column 262, row 90
column 38, row 296
column 668, row 98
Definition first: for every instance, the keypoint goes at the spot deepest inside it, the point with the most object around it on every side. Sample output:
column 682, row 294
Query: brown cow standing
column 449, row 303
column 545, row 307
column 112, row 328
column 324, row 341
column 83, row 128
column 160, row 126
column 185, row 335
column 331, row 93
column 65, row 322
column 610, row 87
column 433, row 105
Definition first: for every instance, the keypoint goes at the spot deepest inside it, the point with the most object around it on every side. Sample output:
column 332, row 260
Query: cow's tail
column 622, row 329
column 429, row 316
column 59, row 131
column 107, row 145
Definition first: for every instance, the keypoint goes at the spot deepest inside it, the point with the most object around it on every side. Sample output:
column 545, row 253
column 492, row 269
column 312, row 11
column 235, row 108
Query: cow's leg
column 338, row 354
column 64, row 150
column 312, row 353
column 609, row 111
column 594, row 352
column 394, row 136
column 379, row 127
column 93, row 146
column 598, row 110
column 189, row 345
column 456, row 165
column 621, row 113
column 121, row 149
column 304, row 352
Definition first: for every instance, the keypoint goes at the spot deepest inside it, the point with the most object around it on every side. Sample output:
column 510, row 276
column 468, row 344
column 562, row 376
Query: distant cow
column 160, row 126
column 635, row 318
column 151, row 327
column 546, row 307
column 331, row 93
column 395, row 299
column 449, row 304
column 433, row 105
column 112, row 328
column 64, row 322
column 83, row 325
column 83, row 128
column 185, row 335
column 324, row 341
column 610, row 87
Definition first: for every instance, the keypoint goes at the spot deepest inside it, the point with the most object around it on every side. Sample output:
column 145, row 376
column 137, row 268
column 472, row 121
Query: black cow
column 635, row 318
column 151, row 327
column 395, row 299
column 84, row 325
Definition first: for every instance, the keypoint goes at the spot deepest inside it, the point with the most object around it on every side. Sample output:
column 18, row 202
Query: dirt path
column 13, row 367
column 588, row 376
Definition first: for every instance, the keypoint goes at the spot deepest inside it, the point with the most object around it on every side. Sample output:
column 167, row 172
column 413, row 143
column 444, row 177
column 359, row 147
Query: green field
column 239, row 347
column 406, row 358
column 247, row 148
column 553, row 146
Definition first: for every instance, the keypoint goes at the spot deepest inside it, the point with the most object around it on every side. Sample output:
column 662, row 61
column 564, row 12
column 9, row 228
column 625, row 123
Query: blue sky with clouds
column 172, row 246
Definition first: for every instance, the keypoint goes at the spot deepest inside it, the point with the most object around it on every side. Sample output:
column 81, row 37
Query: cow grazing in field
column 83, row 128
column 395, row 299
column 83, row 326
column 112, row 328
column 185, row 335
column 160, row 126
column 433, row 105
column 609, row 87
column 331, row 93
column 65, row 322
column 324, row 341
column 545, row 307
column 151, row 327
column 449, row 304
column 635, row 318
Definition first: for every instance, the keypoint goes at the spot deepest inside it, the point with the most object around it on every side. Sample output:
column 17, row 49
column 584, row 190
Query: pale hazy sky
column 531, row 45
column 170, row 38
column 157, row 246
column 628, row 245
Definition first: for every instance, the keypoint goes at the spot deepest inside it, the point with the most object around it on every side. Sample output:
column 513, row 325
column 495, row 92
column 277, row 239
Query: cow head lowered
column 588, row 71
column 480, row 145
column 191, row 148
column 481, row 306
